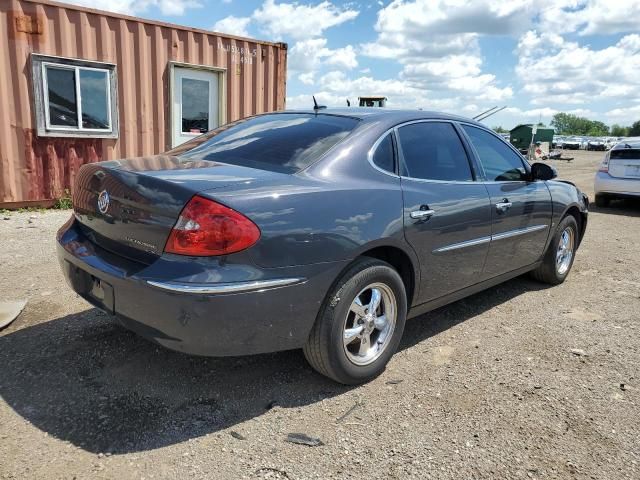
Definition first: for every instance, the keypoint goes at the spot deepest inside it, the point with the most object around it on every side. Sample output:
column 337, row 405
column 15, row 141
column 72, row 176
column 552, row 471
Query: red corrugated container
column 37, row 169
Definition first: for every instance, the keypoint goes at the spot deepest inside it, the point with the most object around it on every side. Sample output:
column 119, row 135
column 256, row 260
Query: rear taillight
column 207, row 228
column 604, row 166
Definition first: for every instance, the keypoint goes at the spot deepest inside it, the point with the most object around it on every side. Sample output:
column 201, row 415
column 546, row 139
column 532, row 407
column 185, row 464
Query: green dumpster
column 521, row 136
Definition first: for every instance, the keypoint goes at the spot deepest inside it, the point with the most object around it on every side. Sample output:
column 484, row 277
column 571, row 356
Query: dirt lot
column 485, row 388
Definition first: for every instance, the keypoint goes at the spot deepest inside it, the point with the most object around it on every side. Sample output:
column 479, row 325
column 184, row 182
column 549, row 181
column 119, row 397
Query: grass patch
column 65, row 202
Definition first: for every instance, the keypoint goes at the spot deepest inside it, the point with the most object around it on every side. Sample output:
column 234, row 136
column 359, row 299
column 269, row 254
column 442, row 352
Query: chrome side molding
column 481, row 240
column 468, row 243
column 222, row 288
column 520, row 231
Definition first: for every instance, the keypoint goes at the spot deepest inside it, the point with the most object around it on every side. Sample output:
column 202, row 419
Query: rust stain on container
column 30, row 25
column 38, row 169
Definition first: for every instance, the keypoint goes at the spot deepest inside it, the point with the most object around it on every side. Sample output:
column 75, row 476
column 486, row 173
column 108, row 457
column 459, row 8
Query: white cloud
column 335, row 87
column 437, row 44
column 624, row 115
column 431, row 28
column 306, row 57
column 457, row 75
column 590, row 17
column 554, row 70
column 233, row 25
column 135, row 7
column 177, row 7
column 343, row 57
column 298, row 21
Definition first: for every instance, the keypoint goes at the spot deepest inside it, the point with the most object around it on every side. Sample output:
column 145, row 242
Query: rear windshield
column 626, row 154
column 285, row 142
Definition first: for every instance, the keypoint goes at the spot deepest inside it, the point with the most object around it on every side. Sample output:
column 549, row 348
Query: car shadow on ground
column 628, row 207
column 84, row 379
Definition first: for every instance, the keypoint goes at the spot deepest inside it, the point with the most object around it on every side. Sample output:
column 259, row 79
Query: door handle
column 422, row 214
column 503, row 206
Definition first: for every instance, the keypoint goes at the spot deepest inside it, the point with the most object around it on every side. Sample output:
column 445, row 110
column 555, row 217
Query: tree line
column 569, row 124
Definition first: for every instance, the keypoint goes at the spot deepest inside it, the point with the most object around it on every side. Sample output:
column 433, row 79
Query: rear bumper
column 606, row 184
column 269, row 310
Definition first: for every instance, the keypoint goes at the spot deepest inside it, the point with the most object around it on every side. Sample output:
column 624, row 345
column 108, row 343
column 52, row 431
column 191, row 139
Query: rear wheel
column 602, row 201
column 360, row 324
column 558, row 259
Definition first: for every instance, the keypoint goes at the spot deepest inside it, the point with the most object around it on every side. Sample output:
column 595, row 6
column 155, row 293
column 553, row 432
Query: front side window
column 499, row 161
column 75, row 97
column 433, row 151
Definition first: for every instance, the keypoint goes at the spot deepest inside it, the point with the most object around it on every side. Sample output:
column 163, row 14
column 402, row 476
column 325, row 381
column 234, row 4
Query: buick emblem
column 103, row 201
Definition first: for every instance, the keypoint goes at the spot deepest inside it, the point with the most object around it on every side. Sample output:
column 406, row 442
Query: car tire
column 602, row 201
column 334, row 347
column 559, row 257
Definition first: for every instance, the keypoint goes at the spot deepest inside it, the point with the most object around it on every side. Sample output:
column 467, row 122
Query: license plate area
column 632, row 171
column 95, row 290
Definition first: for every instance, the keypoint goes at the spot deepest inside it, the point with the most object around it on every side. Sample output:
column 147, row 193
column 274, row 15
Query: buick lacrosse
column 323, row 230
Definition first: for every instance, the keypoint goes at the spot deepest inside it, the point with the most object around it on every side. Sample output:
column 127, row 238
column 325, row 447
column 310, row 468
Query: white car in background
column 619, row 173
column 596, row 144
column 572, row 143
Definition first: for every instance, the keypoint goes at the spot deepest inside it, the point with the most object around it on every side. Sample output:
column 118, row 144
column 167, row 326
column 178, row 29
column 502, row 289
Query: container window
column 195, row 105
column 75, row 97
column 61, row 93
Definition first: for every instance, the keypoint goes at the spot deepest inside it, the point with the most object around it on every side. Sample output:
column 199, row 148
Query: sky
column 536, row 57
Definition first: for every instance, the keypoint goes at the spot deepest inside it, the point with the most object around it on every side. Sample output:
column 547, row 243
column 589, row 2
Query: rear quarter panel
column 308, row 221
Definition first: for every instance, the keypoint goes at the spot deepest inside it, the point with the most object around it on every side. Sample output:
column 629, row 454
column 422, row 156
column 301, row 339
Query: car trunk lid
column 129, row 207
column 625, row 163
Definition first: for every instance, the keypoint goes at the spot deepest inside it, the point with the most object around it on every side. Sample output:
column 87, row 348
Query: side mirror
column 542, row 171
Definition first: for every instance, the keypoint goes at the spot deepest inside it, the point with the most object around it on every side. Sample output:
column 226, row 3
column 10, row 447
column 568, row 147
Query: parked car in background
column 596, row 144
column 608, row 143
column 572, row 143
column 321, row 230
column 619, row 173
column 558, row 141
column 584, row 142
column 611, row 142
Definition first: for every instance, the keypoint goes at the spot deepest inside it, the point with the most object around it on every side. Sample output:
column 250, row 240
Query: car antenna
column 486, row 111
column 317, row 107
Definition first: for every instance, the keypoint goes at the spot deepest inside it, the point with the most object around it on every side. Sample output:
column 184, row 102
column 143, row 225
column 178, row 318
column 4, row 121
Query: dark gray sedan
column 324, row 230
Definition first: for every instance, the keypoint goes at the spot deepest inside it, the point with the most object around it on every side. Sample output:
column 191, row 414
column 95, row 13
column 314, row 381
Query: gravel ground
column 520, row 381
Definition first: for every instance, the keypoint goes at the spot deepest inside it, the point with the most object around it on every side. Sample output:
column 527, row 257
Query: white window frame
column 40, row 63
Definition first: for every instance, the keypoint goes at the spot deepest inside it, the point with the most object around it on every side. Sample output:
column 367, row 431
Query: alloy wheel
column 564, row 254
column 370, row 323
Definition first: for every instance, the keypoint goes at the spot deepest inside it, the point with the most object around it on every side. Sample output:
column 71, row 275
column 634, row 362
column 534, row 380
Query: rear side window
column 384, row 156
column 433, row 151
column 500, row 162
column 285, row 143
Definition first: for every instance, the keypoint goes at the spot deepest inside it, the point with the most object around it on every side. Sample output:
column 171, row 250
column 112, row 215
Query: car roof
column 387, row 114
column 631, row 142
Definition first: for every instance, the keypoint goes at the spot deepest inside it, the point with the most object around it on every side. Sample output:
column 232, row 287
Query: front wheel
column 360, row 323
column 558, row 259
